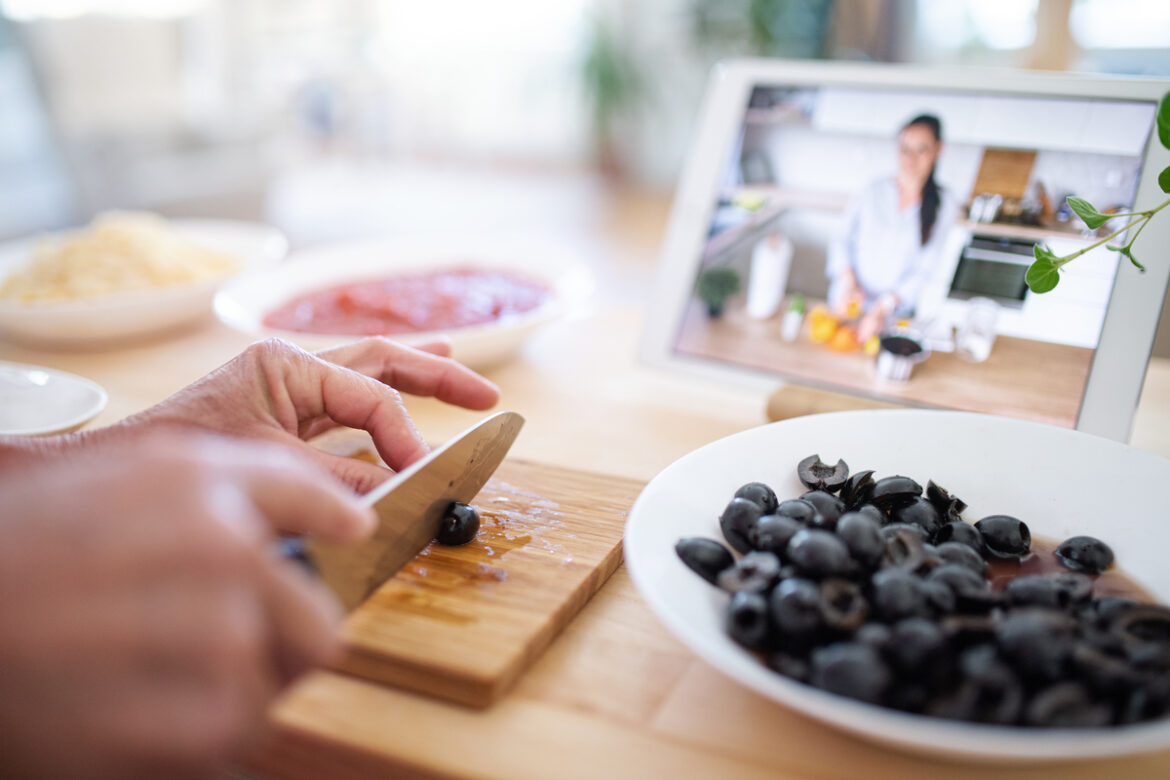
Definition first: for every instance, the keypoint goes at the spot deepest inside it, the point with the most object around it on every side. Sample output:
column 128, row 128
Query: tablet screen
column 875, row 240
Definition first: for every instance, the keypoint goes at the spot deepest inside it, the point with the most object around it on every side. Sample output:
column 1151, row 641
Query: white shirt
column 883, row 244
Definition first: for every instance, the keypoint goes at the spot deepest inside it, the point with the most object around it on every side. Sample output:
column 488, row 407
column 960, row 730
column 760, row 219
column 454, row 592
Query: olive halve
column 814, row 474
column 738, row 517
column 889, row 492
column 1058, row 590
column 963, row 555
column 898, row 594
column 829, row 508
column 795, row 607
column 918, row 511
column 757, row 571
column 798, row 509
column 458, row 525
column 857, row 489
column 705, row 557
column 1085, row 554
column 842, row 605
column 964, row 533
column 747, row 619
column 863, row 536
column 1005, row 536
column 948, row 506
column 851, row 669
column 760, row 493
column 771, row 533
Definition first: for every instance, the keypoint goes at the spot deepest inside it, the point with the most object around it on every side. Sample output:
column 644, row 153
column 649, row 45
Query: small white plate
column 245, row 301
column 96, row 322
column 36, row 401
column 1060, row 482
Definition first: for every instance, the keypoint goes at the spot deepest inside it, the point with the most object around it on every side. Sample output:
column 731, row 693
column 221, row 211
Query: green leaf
column 1164, row 179
column 1128, row 252
column 1164, row 120
column 1088, row 213
column 1043, row 274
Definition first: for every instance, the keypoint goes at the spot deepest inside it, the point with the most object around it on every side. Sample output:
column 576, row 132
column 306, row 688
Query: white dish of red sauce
column 1062, row 483
column 486, row 297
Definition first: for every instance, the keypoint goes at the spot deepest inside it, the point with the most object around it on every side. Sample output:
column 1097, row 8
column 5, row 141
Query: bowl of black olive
column 940, row 582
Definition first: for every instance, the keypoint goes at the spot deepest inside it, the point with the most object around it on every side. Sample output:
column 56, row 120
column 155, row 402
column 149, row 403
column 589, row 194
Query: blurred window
column 1121, row 24
column 988, row 24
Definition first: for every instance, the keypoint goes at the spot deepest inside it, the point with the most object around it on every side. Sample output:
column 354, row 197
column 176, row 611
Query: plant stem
column 1144, row 218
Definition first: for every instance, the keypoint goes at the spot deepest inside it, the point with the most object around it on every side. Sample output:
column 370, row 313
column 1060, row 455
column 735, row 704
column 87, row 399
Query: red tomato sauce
column 411, row 303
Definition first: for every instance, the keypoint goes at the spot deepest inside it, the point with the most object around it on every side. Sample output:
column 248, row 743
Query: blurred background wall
column 342, row 118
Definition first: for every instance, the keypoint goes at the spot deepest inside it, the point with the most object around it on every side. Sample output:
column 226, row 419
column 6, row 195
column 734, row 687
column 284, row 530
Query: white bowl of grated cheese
column 125, row 277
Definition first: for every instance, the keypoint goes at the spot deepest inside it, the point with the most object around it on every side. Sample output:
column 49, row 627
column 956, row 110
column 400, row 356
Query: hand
column 277, row 392
column 874, row 321
column 849, row 297
column 146, row 625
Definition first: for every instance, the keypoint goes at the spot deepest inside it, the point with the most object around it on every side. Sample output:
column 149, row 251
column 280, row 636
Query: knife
column 410, row 506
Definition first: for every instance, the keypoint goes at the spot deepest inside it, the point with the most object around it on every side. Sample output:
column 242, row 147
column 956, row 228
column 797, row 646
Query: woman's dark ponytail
column 928, row 211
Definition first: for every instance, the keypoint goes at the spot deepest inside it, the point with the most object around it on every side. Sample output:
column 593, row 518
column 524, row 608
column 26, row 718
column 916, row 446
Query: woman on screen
column 893, row 234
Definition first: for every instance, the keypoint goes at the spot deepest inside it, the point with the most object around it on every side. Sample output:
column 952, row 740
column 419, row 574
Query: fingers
column 424, row 371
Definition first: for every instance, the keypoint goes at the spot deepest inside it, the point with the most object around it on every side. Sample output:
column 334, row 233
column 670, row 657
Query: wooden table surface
column 615, row 695
column 1023, row 378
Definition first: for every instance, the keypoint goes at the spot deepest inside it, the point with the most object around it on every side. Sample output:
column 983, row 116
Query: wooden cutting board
column 462, row 623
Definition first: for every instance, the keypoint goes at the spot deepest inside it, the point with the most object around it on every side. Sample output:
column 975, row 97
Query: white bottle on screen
column 771, row 259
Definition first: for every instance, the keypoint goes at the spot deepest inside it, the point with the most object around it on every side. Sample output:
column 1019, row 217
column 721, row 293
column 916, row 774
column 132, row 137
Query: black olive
column 816, row 475
column 963, row 555
column 747, row 619
column 850, row 669
column 1036, row 642
column 1066, row 705
column 876, row 635
column 1054, row 591
column 736, row 522
column 898, row 594
column 947, row 505
column 798, row 509
column 788, row 665
column 829, row 509
column 1085, row 554
column 904, row 546
column 772, row 533
column 761, row 494
column 940, row 597
column 972, row 592
column 705, row 557
column 458, row 526
column 961, row 532
column 820, row 554
column 843, row 608
column 756, row 571
column 889, row 492
column 1004, row 536
column 795, row 606
column 1143, row 623
column 863, row 536
column 857, row 489
column 1106, row 674
column 918, row 511
column 915, row 643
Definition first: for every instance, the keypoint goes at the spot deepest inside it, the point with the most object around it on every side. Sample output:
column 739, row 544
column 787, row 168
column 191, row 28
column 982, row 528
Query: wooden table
column 615, row 695
column 1021, row 378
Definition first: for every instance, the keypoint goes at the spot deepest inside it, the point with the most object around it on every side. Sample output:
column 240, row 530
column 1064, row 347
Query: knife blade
column 410, row 506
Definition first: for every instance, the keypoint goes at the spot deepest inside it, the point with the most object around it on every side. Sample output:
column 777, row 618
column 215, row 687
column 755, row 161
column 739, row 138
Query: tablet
column 866, row 229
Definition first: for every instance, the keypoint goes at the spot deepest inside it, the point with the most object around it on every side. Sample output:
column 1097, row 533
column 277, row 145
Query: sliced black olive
column 459, row 525
column 771, row 533
column 961, row 532
column 1107, row 675
column 843, row 608
column 1066, row 705
column 819, row 554
column 736, row 522
column 756, row 571
column 1036, row 642
column 857, row 489
column 747, row 619
column 851, row 669
column 905, row 547
column 863, row 536
column 1005, row 536
column 1085, row 554
column 889, row 492
column 761, row 494
column 795, row 607
column 829, row 509
column 947, row 505
column 918, row 511
column 1143, row 623
column 816, row 475
column 705, row 557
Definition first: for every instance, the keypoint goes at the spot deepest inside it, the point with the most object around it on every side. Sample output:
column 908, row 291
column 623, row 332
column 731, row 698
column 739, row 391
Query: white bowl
column 244, row 302
column 109, row 319
column 1060, row 482
column 36, row 401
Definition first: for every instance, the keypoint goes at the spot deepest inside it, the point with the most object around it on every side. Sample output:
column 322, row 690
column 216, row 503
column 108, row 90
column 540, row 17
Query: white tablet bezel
column 1127, row 335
